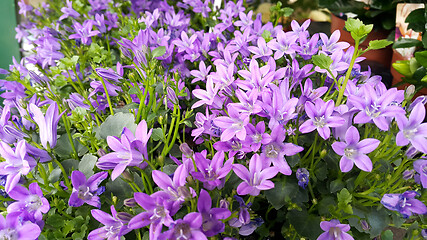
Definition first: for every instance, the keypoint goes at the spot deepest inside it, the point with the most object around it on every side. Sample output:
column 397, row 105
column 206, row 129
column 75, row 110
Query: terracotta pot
column 382, row 56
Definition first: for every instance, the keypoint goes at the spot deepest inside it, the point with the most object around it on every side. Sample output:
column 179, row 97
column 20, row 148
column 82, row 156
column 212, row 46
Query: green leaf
column 55, row 220
column 378, row 44
column 402, row 67
column 387, row 235
column 416, row 20
column 357, row 29
column 407, row 43
column 286, row 190
column 421, row 58
column 87, row 164
column 322, row 61
column 424, row 79
column 266, row 35
column 118, row 188
column 344, row 198
column 113, row 125
column 286, row 11
column 336, row 185
column 157, row 134
column 134, row 90
column 54, row 175
column 378, row 220
column 69, row 227
column 159, row 51
column 305, row 224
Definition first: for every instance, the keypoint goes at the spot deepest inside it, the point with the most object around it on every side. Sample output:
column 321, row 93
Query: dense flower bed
column 180, row 120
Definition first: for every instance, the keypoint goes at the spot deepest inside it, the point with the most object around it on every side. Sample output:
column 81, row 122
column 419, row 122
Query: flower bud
column 127, row 176
column 323, row 153
column 365, row 225
column 303, row 177
column 408, row 174
column 186, row 150
column 130, row 202
column 101, row 152
column 124, row 217
column 114, row 200
column 409, row 91
column 161, row 160
column 424, row 233
column 223, row 203
column 171, row 95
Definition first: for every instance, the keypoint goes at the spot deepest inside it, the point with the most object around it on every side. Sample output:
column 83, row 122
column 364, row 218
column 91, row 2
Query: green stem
column 67, row 181
column 347, row 75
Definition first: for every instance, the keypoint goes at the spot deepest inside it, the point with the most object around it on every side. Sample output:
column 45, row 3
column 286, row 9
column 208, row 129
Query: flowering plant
column 183, row 120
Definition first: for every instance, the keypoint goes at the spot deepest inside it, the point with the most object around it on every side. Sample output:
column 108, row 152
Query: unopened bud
column 408, row 174
column 186, row 150
column 409, row 92
column 224, row 203
column 124, row 217
column 101, row 152
column 127, row 176
column 160, row 119
column 365, row 225
column 171, row 95
column 323, row 153
column 130, row 202
column 114, row 200
column 161, row 160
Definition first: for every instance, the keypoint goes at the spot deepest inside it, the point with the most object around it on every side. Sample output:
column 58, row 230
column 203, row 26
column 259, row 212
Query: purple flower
column 211, row 173
column 86, row 191
column 129, row 150
column 412, row 130
column 303, row 177
column 113, row 227
column 12, row 228
column 255, row 136
column 158, row 211
column 69, row 11
column 275, row 151
column 174, row 187
column 334, row 230
column 321, row 118
column 209, row 96
column 187, row 228
column 234, row 125
column 376, row 107
column 256, row 178
column 211, row 216
column 404, row 203
column 337, row 65
column 185, row 43
column 31, row 203
column 284, row 43
column 354, row 152
column 421, row 167
column 84, row 32
column 307, row 48
column 24, row 8
column 17, row 163
column 245, row 21
column 201, row 74
column 261, row 50
column 331, row 45
column 48, row 123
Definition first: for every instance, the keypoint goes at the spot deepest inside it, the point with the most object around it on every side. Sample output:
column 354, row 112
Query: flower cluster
column 210, row 124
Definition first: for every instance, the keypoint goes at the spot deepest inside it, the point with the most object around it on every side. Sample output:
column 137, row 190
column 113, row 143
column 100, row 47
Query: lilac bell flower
column 256, row 135
column 68, row 11
column 334, row 230
column 211, row 173
column 261, row 50
column 211, row 225
column 12, row 228
column 404, row 203
column 86, row 191
column 174, row 187
column 129, row 150
column 421, row 167
column 30, row 202
column 331, row 45
column 209, row 96
column 413, row 130
column 234, row 125
column 84, row 32
column 354, row 152
column 17, row 163
column 113, row 227
column 321, row 118
column 275, row 151
column 187, row 228
column 202, row 73
column 256, row 178
column 303, row 177
column 158, row 211
column 47, row 123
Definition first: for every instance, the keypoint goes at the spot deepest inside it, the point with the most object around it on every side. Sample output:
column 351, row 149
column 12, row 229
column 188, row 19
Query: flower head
column 47, row 123
column 334, row 230
column 354, row 152
column 404, row 203
column 113, row 227
column 86, row 191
